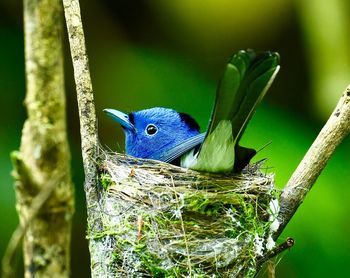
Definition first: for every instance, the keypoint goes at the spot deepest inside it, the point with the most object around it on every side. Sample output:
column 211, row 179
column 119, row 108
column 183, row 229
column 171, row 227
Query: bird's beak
column 121, row 118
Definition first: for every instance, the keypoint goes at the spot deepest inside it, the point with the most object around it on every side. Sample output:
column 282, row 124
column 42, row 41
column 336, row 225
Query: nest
column 159, row 220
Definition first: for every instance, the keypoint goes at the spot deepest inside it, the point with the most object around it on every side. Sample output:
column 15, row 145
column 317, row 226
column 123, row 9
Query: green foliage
column 105, row 180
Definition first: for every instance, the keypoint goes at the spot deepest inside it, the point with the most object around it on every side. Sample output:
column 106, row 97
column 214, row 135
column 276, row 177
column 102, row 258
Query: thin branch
column 287, row 244
column 304, row 177
column 87, row 115
column 86, row 107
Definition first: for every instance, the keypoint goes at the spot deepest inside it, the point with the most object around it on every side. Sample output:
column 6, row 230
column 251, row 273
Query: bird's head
column 152, row 130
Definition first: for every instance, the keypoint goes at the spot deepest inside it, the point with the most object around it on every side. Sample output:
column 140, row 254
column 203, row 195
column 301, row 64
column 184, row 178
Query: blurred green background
column 172, row 53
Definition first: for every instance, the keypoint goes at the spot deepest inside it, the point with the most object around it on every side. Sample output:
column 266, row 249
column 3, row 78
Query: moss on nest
column 159, row 220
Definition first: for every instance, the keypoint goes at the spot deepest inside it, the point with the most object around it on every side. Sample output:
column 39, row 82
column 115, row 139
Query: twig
column 304, row 177
column 87, row 115
column 86, row 107
column 287, row 244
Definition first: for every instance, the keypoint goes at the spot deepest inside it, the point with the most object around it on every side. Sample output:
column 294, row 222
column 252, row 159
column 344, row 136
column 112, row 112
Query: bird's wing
column 246, row 79
column 177, row 151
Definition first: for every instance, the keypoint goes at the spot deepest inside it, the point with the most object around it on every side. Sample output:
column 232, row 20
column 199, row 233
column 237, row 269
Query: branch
column 43, row 185
column 287, row 244
column 87, row 115
column 86, row 107
column 304, row 177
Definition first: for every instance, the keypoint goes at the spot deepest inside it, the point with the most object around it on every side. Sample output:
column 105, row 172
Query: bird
column 167, row 135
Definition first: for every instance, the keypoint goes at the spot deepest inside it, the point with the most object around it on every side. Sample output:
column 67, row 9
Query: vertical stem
column 87, row 115
column 43, row 160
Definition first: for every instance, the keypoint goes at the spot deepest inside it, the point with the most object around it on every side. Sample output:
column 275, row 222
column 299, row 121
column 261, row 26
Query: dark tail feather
column 242, row 158
column 246, row 79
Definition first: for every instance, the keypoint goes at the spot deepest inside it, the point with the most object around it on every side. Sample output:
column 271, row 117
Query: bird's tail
column 246, row 79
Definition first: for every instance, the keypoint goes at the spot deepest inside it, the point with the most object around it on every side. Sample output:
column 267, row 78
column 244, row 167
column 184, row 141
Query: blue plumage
column 155, row 129
column 166, row 135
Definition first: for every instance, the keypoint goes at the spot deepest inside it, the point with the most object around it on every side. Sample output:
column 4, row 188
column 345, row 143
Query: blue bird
column 167, row 135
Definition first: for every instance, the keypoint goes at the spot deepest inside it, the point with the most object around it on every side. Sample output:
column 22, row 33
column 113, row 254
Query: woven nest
column 159, row 220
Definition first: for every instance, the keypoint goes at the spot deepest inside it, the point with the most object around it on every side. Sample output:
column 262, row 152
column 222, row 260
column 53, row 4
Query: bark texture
column 314, row 161
column 86, row 107
column 44, row 159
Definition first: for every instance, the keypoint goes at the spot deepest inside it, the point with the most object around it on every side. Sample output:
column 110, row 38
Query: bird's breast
column 189, row 159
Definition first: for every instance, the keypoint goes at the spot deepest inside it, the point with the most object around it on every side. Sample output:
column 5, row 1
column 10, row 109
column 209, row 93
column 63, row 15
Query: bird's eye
column 151, row 129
